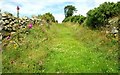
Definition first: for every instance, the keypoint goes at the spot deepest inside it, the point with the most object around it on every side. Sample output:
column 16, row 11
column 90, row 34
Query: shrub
column 99, row 16
column 75, row 19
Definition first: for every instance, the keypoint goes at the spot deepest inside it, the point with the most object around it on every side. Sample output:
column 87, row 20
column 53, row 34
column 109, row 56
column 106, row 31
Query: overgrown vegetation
column 96, row 17
column 48, row 17
column 66, row 47
column 99, row 16
column 69, row 48
column 75, row 19
column 27, row 54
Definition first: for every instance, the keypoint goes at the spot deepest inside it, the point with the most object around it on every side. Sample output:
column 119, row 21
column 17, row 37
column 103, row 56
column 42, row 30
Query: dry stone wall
column 112, row 26
column 10, row 23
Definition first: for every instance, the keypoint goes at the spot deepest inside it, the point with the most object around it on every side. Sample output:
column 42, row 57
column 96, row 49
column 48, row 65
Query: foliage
column 72, row 48
column 75, row 19
column 56, row 21
column 96, row 17
column 69, row 48
column 69, row 10
column 99, row 16
column 48, row 17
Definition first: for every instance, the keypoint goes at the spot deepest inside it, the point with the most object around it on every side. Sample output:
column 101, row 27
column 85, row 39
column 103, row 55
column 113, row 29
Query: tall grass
column 64, row 48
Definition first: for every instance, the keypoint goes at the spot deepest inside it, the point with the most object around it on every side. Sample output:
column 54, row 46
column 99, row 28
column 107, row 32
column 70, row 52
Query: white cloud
column 59, row 17
column 35, row 7
column 82, row 8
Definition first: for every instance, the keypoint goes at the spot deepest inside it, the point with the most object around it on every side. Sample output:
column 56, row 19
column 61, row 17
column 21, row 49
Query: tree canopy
column 69, row 10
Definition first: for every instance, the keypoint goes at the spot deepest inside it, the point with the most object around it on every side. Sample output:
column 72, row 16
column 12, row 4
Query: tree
column 69, row 10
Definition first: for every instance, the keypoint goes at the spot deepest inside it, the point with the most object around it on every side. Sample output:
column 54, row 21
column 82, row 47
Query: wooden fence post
column 18, row 21
column 1, row 26
column 1, row 42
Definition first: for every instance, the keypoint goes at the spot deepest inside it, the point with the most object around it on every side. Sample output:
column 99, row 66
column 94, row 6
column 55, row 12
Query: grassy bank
column 65, row 48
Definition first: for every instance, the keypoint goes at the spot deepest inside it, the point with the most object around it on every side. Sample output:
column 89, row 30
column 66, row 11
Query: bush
column 48, row 17
column 99, row 16
column 75, row 19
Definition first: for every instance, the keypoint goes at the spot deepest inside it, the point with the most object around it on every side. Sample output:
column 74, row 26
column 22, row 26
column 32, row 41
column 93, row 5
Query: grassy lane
column 69, row 55
column 64, row 48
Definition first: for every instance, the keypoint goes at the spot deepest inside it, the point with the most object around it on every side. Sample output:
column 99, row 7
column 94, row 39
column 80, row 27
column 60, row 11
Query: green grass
column 69, row 48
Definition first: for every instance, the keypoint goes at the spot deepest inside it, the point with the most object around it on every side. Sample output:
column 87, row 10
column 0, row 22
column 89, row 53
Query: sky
column 56, row 7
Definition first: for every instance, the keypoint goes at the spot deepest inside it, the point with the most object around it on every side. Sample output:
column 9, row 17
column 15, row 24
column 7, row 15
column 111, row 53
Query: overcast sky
column 56, row 7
